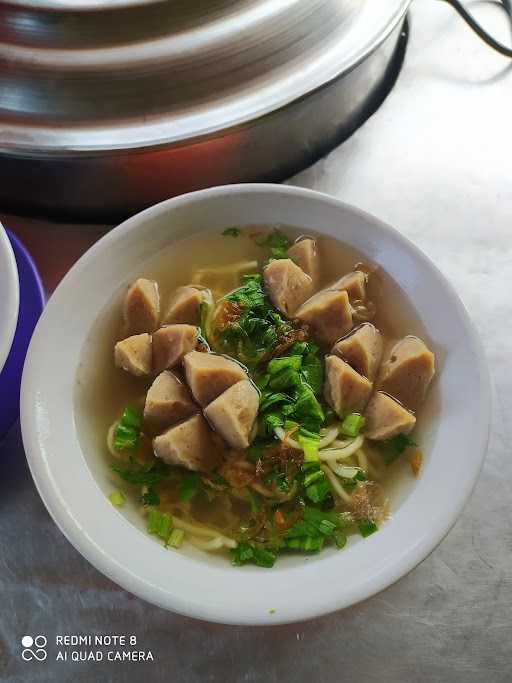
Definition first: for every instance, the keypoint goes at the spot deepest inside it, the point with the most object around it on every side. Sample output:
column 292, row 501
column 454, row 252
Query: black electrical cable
column 506, row 5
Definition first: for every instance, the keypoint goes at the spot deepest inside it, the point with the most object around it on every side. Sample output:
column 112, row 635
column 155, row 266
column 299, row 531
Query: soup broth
column 297, row 486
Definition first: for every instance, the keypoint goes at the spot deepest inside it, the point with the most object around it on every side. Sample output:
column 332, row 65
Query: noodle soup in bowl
column 195, row 497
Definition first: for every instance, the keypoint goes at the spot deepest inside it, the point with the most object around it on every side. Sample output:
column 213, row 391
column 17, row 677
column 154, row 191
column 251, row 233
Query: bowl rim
column 83, row 541
column 12, row 294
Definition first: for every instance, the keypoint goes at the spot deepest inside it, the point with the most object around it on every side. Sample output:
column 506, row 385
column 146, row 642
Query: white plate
column 9, row 296
column 73, row 480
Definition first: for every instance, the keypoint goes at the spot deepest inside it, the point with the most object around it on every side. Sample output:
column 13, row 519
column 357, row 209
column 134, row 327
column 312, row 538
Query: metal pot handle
column 506, row 5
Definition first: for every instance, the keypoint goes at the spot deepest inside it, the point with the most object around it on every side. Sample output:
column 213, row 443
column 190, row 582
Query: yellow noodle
column 338, row 488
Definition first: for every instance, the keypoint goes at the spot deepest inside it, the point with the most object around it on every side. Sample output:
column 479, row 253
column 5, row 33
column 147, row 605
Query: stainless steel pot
column 117, row 104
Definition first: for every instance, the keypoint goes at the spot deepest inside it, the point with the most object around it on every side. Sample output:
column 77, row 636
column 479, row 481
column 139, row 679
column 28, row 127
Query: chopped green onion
column 231, row 232
column 247, row 552
column 117, row 498
column 352, row 425
column 311, row 477
column 340, row 538
column 367, row 527
column 315, row 522
column 310, row 544
column 309, row 443
column 159, row 523
column 175, row 540
column 318, row 491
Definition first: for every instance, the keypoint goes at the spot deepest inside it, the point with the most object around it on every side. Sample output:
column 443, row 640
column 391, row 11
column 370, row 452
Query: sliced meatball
column 287, row 285
column 141, row 310
column 184, row 305
column 134, row 354
column 346, row 391
column 171, row 343
column 234, row 412
column 304, row 253
column 190, row 444
column 386, row 418
column 362, row 349
column 328, row 314
column 209, row 374
column 168, row 401
column 352, row 283
column 407, row 373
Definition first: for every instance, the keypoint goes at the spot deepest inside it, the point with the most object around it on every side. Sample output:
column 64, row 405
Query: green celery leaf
column 277, row 242
column 277, row 365
column 286, row 379
column 269, row 398
column 151, row 497
column 313, row 372
column 148, row 475
column 190, row 486
column 393, row 448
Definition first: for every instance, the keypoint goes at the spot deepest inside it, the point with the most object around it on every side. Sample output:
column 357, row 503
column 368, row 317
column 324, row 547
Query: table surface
column 436, row 162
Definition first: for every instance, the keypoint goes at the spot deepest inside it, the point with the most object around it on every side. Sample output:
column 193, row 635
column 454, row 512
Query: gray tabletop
column 436, row 162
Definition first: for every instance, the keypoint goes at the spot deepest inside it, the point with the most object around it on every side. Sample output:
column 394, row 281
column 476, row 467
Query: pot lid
column 93, row 76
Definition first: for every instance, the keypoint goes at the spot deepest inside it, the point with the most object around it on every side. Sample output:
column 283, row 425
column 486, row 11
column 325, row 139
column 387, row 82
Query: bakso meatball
column 190, row 444
column 304, row 253
column 233, row 414
column 352, row 283
column 171, row 343
column 346, row 391
column 209, row 374
column 362, row 349
column 184, row 306
column 328, row 314
column 168, row 401
column 287, row 285
column 407, row 373
column 141, row 310
column 386, row 418
column 134, row 354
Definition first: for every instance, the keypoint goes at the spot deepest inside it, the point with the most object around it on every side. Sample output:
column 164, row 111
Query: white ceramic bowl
column 9, row 296
column 73, row 480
